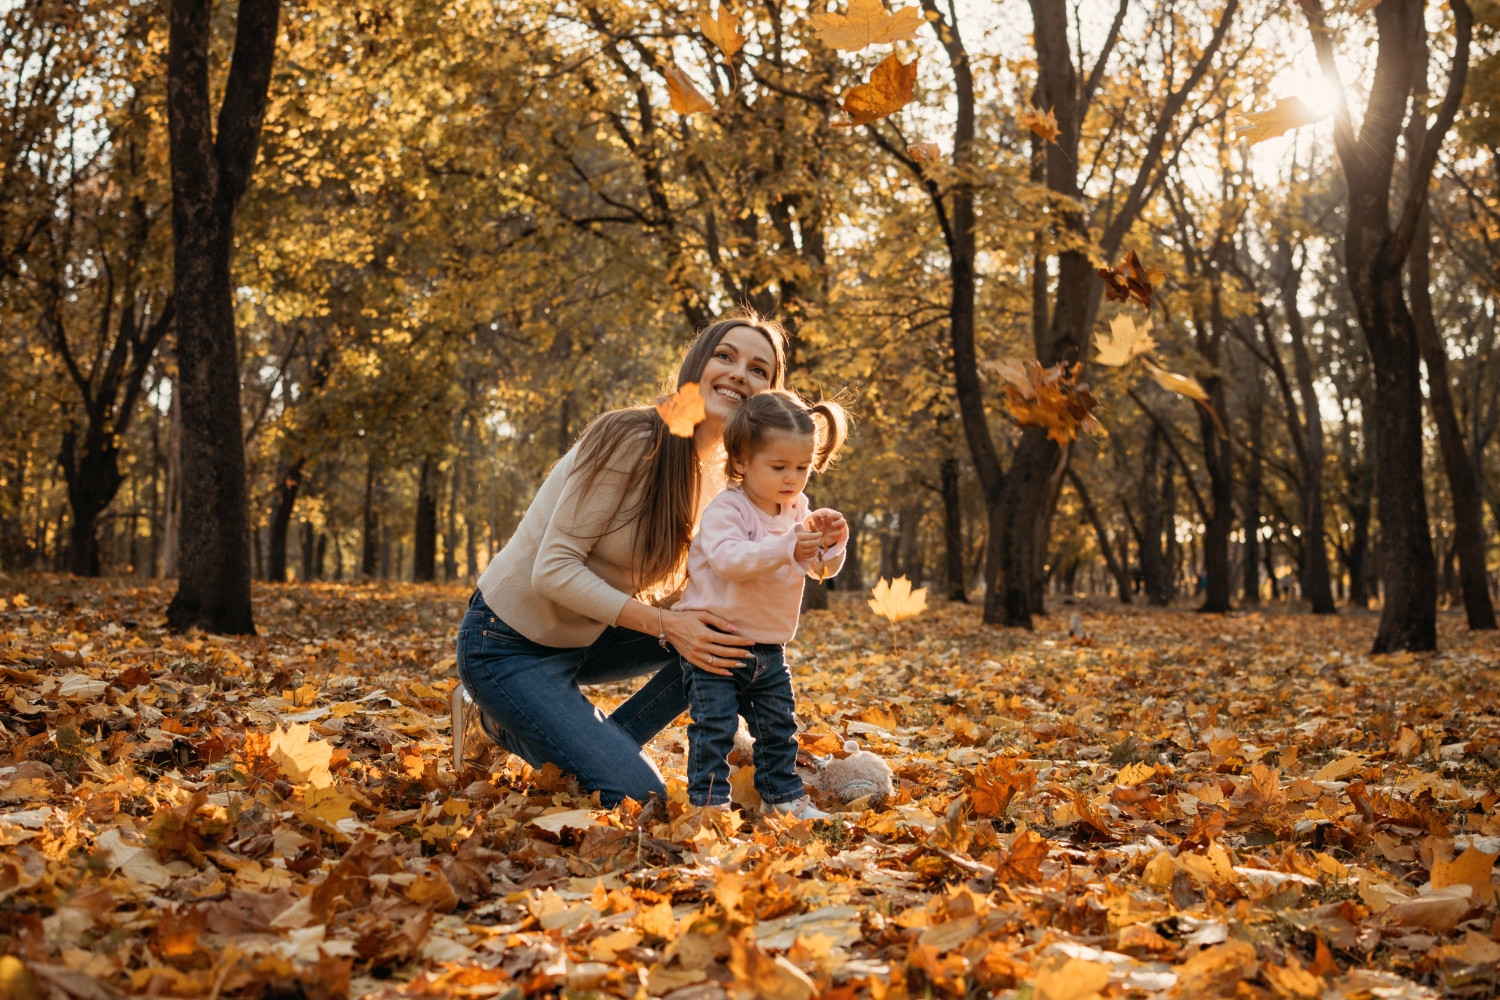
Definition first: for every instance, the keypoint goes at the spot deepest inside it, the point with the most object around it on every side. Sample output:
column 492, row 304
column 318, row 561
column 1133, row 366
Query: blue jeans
column 532, row 692
column 761, row 692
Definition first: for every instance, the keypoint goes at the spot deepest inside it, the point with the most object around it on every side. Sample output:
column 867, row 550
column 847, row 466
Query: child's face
column 777, row 471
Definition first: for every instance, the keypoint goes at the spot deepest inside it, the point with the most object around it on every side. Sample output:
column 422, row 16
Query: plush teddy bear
column 859, row 775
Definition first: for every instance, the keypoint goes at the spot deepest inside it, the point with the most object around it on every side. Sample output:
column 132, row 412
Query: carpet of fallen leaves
column 1148, row 804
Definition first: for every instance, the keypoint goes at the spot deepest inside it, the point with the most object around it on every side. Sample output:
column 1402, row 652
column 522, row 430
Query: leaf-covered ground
column 1169, row 805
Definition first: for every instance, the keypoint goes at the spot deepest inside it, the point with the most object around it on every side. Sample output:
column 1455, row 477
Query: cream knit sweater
column 563, row 577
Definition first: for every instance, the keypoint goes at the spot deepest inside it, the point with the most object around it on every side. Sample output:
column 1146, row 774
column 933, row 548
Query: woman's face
column 742, row 364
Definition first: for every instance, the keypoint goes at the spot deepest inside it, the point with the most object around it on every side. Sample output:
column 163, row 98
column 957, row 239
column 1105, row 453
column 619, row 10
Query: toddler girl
column 754, row 546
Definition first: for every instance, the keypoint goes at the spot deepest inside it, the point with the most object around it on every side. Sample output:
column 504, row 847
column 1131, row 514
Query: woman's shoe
column 472, row 739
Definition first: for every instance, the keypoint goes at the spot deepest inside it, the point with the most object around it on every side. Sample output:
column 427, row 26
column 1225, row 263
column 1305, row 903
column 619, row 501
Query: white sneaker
column 798, row 808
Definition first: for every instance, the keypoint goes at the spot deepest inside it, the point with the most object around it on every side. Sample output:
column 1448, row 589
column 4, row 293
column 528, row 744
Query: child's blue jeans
column 761, row 692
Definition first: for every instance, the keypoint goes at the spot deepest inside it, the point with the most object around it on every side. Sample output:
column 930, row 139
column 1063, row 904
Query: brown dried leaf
column 890, row 89
column 685, row 96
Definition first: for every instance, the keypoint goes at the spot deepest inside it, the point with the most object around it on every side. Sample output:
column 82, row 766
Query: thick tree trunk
column 424, row 544
column 93, row 479
column 1375, row 253
column 211, row 170
column 283, row 499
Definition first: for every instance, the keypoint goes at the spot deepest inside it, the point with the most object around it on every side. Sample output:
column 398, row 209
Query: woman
column 578, row 594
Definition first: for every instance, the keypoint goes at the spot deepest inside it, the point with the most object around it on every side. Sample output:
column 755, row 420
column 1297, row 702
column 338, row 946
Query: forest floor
column 1171, row 805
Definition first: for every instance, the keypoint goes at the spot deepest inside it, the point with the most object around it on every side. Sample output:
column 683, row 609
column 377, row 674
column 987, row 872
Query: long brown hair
column 777, row 411
column 667, row 507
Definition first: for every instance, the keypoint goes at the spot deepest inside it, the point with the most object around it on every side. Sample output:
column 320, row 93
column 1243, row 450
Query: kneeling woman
column 576, row 596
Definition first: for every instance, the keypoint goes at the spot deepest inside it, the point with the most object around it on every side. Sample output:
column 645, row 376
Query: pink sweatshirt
column 740, row 566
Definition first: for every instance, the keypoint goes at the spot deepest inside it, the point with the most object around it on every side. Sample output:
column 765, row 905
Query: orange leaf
column 866, row 24
column 686, row 98
column 1288, row 114
column 723, row 31
column 1130, row 279
column 1044, row 125
column 924, row 152
column 889, row 90
column 683, row 410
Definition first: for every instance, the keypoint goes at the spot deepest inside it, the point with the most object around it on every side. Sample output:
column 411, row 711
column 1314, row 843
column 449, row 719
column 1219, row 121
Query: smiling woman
column 579, row 594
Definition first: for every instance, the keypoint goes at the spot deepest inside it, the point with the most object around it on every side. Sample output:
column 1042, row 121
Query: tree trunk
column 211, row 170
column 953, row 532
column 283, row 498
column 171, row 532
column 1250, row 594
column 1468, row 513
column 424, row 544
column 1374, row 255
column 93, row 479
column 369, row 553
column 1220, row 464
column 1116, row 570
column 1314, row 564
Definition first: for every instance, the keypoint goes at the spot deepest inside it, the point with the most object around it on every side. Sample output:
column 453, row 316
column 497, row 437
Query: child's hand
column 809, row 546
column 830, row 525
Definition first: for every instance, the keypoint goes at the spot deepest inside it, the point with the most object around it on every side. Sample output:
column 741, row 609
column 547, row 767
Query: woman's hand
column 705, row 640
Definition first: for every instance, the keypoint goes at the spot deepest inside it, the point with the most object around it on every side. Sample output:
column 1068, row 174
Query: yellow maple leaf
column 889, row 90
column 895, row 601
column 723, row 31
column 867, row 23
column 1124, row 341
column 1472, row 868
column 300, row 757
column 1135, row 774
column 1288, row 114
column 683, row 410
column 685, row 96
column 1044, row 125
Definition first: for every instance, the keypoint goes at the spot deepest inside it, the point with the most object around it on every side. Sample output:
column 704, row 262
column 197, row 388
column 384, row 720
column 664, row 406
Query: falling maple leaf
column 1052, row 397
column 723, row 30
column 1183, row 385
column 1130, row 279
column 1125, row 340
column 1044, row 125
column 683, row 410
column 867, row 23
column 1288, row 114
column 924, row 152
column 895, row 601
column 889, row 90
column 685, row 96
